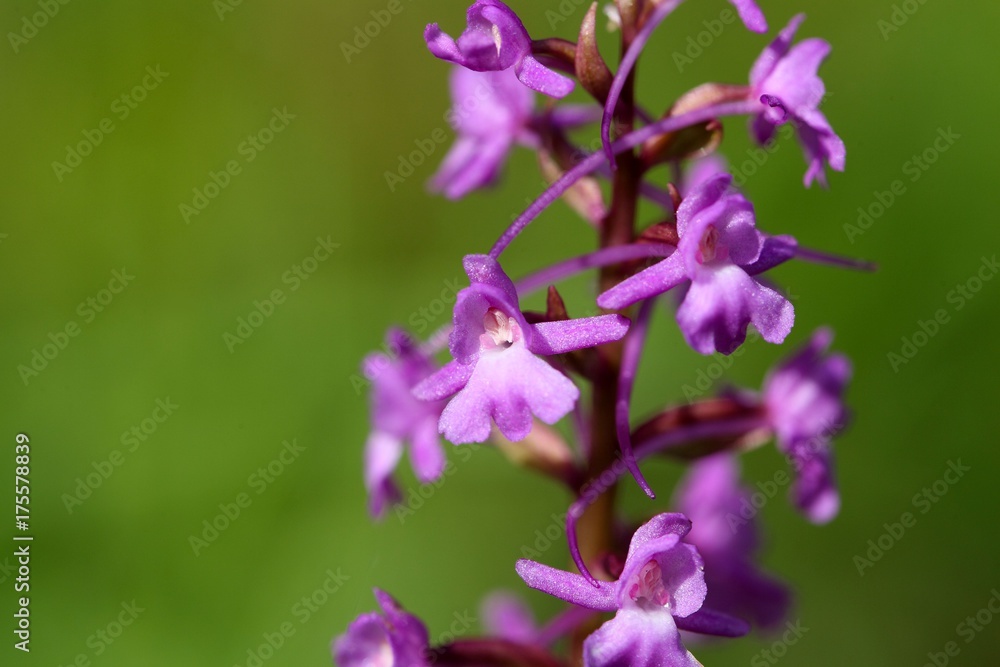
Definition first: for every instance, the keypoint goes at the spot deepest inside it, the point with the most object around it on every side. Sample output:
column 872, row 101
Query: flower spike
column 513, row 374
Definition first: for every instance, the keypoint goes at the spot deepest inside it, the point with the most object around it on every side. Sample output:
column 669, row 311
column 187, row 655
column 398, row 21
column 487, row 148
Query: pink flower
column 497, row 374
column 785, row 81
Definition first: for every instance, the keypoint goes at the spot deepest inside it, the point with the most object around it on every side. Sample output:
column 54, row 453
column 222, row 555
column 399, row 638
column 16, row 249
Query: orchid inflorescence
column 514, row 373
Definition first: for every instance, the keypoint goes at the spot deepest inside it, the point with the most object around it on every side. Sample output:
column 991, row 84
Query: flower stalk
column 686, row 565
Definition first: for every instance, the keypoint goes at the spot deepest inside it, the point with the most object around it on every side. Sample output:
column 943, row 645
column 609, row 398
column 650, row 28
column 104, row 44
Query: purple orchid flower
column 496, row 371
column 397, row 417
column 506, row 616
column 661, row 590
column 718, row 252
column 804, row 402
column 495, row 40
column 751, row 15
column 394, row 638
column 711, row 496
column 491, row 111
column 785, row 80
column 701, row 171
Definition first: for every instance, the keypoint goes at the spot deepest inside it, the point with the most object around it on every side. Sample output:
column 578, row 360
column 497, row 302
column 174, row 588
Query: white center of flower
column 707, row 245
column 381, row 654
column 496, row 37
column 499, row 329
column 648, row 585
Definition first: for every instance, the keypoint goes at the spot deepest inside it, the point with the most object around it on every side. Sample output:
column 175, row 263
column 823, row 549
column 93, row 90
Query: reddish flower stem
column 596, row 526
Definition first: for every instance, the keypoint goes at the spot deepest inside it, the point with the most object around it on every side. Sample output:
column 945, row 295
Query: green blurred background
column 222, row 76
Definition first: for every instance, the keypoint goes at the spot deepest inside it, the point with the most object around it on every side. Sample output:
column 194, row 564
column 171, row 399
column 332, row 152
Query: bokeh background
column 225, row 69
